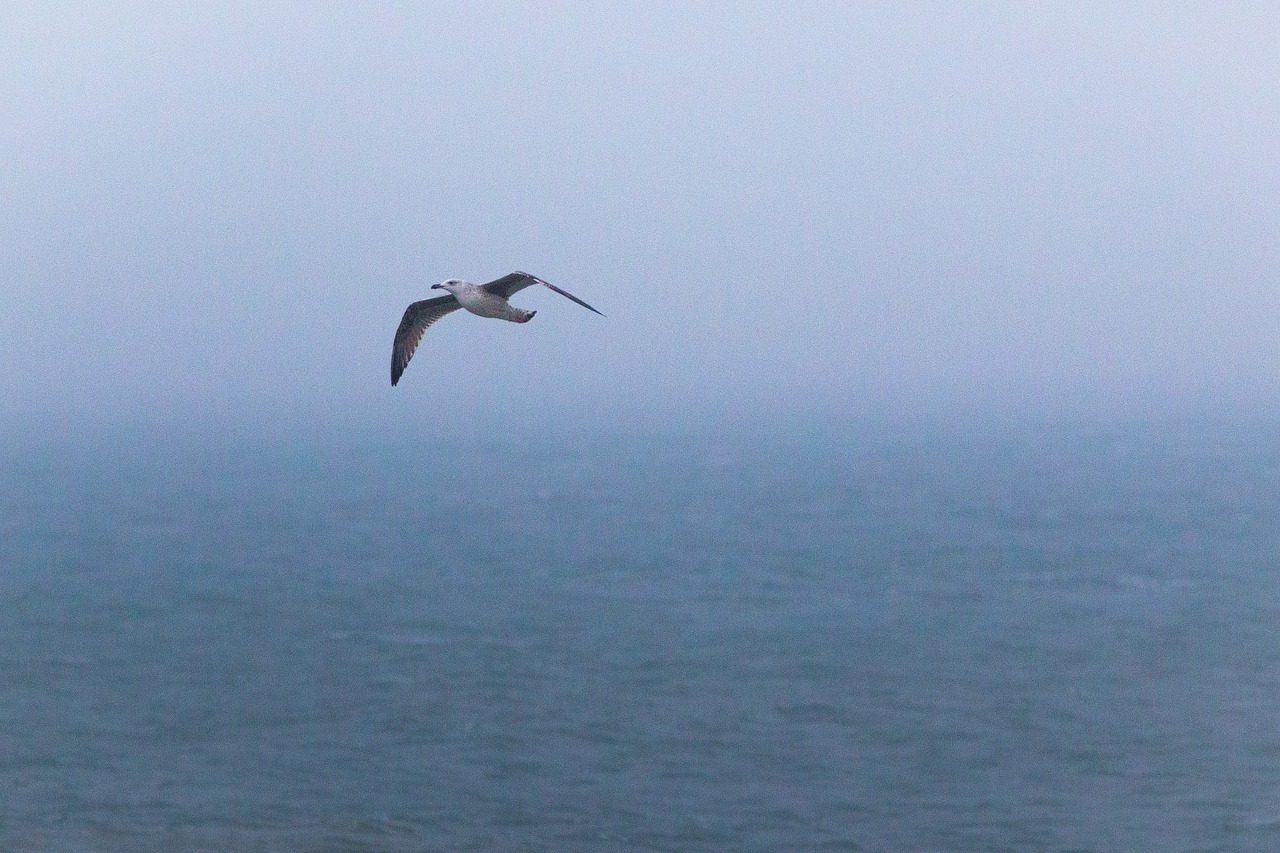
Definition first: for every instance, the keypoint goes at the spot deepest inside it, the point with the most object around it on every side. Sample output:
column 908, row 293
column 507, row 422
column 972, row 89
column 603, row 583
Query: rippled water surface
column 1027, row 642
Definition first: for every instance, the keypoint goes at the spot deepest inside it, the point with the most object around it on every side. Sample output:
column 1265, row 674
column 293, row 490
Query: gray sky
column 221, row 210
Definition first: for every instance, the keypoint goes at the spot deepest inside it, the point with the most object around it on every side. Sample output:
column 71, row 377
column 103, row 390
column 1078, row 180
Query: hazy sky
column 221, row 210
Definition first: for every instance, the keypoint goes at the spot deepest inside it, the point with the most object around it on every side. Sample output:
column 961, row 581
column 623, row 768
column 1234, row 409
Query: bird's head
column 450, row 285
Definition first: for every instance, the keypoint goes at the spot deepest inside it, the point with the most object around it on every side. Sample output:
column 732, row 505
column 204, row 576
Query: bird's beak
column 434, row 286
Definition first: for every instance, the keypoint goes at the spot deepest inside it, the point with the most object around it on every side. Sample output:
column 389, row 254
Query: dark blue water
column 1062, row 641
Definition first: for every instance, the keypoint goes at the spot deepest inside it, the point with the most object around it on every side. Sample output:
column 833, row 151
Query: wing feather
column 510, row 283
column 517, row 281
column 417, row 317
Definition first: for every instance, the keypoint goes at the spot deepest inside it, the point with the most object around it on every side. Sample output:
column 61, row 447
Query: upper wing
column 510, row 283
column 517, row 281
column 416, row 318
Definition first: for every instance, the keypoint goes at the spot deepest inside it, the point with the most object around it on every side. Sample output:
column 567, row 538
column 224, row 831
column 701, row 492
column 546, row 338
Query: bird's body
column 482, row 303
column 483, row 300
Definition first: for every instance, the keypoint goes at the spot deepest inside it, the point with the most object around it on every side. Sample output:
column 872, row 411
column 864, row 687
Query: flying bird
column 485, row 300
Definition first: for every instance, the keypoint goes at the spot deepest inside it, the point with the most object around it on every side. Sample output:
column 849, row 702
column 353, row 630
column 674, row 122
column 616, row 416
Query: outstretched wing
column 416, row 318
column 517, row 281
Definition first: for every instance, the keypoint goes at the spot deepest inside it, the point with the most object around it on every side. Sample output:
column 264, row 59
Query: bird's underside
column 485, row 300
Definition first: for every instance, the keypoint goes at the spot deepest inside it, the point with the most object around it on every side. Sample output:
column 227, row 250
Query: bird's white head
column 450, row 285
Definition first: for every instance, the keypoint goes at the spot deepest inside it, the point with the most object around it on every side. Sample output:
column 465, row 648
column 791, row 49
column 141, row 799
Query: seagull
column 484, row 300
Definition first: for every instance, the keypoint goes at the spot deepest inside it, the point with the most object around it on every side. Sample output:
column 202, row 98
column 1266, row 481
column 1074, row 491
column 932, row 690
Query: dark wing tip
column 398, row 363
column 406, row 341
column 565, row 294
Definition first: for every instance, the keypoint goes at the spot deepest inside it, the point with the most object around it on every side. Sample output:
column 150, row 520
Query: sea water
column 1032, row 641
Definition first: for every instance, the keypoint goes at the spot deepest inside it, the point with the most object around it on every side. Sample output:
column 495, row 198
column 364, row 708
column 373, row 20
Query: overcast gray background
column 219, row 211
